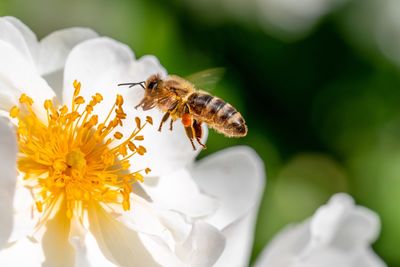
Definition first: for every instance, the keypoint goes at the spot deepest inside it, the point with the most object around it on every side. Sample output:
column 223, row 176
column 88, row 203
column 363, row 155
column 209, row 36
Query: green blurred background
column 318, row 82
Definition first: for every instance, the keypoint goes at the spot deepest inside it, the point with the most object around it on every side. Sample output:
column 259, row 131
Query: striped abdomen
column 218, row 114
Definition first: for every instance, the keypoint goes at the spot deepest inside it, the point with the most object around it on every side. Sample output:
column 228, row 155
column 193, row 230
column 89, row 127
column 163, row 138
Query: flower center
column 76, row 160
column 73, row 157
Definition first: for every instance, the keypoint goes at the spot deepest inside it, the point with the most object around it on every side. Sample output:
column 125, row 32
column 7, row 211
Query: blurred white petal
column 285, row 246
column 293, row 17
column 8, row 155
column 344, row 225
column 385, row 17
column 339, row 234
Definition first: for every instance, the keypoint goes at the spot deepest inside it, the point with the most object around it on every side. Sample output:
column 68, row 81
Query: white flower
column 374, row 25
column 338, row 234
column 293, row 18
column 186, row 214
column 285, row 19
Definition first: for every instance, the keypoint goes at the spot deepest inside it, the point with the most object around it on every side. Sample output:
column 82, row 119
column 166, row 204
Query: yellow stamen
column 14, row 112
column 71, row 156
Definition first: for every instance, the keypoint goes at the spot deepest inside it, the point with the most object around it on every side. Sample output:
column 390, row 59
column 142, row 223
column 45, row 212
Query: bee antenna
column 133, row 84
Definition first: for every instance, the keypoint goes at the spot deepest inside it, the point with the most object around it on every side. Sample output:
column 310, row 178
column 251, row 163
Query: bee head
column 152, row 84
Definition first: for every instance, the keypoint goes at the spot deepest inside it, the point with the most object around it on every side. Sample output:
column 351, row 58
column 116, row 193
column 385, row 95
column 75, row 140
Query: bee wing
column 206, row 79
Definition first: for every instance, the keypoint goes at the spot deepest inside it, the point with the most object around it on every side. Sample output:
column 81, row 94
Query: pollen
column 75, row 158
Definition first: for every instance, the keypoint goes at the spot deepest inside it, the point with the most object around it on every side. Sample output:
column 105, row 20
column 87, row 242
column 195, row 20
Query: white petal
column 368, row 258
column 94, row 255
column 339, row 234
column 172, row 238
column 325, row 257
column 236, row 178
column 285, row 246
column 289, row 249
column 178, row 191
column 331, row 257
column 282, row 253
column 19, row 36
column 22, row 253
column 55, row 81
column 203, row 246
column 7, row 100
column 57, row 249
column 55, row 47
column 292, row 18
column 161, row 252
column 53, row 51
column 8, row 155
column 98, row 64
column 167, row 151
column 101, row 64
column 239, row 240
column 196, row 244
column 343, row 224
column 87, row 251
column 18, row 76
column 24, row 222
column 327, row 219
column 76, row 238
column 159, row 231
column 118, row 243
column 142, row 217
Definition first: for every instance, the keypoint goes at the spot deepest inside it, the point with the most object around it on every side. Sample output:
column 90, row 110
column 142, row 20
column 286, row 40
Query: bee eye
column 152, row 85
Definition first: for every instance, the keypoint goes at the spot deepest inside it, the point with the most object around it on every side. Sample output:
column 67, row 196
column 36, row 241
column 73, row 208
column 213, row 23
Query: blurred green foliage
column 323, row 111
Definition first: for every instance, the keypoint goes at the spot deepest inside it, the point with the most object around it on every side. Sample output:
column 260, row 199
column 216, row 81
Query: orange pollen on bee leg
column 74, row 156
column 187, row 120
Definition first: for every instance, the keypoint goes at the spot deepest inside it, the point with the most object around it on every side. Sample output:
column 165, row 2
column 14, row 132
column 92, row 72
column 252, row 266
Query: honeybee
column 180, row 99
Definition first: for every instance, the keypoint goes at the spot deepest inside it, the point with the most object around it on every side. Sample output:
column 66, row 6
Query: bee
column 179, row 98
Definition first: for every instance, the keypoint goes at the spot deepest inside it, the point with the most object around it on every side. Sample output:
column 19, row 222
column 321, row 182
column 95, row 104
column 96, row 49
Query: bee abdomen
column 230, row 122
column 199, row 104
column 218, row 114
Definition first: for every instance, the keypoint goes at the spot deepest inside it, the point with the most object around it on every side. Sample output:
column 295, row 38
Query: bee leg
column 170, row 124
column 164, row 119
column 189, row 133
column 140, row 104
column 198, row 131
column 187, row 122
column 148, row 105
